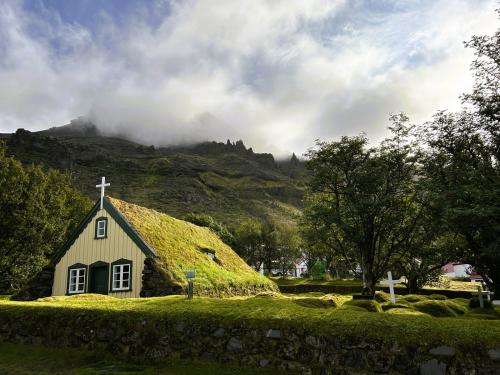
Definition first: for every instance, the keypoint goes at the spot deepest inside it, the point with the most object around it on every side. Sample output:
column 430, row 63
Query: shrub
column 318, row 270
column 367, row 304
column 474, row 302
column 437, row 309
column 437, row 297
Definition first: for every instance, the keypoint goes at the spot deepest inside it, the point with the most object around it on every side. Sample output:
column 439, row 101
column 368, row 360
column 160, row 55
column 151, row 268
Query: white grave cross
column 391, row 284
column 103, row 185
column 480, row 293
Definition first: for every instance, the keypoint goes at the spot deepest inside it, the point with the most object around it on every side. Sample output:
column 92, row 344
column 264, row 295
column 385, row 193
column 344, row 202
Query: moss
column 413, row 298
column 388, row 306
column 348, row 320
column 456, row 307
column 180, row 245
column 367, row 304
column 315, row 302
column 437, row 297
column 435, row 308
column 406, row 311
column 353, row 308
column 382, row 297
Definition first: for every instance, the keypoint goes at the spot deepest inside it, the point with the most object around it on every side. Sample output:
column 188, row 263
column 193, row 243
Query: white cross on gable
column 391, row 284
column 103, row 186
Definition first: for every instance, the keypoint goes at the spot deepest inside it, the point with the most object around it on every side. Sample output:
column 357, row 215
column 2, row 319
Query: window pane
column 125, row 283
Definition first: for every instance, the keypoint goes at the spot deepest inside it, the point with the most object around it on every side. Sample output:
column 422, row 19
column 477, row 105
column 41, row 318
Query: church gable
column 104, row 255
column 97, row 216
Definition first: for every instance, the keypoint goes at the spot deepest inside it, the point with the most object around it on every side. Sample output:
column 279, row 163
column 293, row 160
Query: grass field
column 31, row 360
column 432, row 320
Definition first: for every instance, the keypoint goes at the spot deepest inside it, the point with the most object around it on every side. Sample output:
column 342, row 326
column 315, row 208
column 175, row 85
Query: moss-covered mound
column 435, row 308
column 367, row 304
column 182, row 246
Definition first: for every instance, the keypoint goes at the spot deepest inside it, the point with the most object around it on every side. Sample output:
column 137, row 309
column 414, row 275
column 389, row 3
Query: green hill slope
column 225, row 180
column 183, row 246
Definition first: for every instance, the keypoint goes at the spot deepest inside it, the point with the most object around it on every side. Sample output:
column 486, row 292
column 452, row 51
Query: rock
column 494, row 354
column 313, row 341
column 179, row 327
column 273, row 334
column 433, row 367
column 443, row 350
column 234, row 345
column 219, row 332
column 263, row 362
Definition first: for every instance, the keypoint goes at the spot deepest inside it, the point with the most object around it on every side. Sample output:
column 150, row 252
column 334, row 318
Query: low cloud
column 277, row 74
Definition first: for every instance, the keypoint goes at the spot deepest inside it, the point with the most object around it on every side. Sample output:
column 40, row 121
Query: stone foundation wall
column 156, row 281
column 137, row 338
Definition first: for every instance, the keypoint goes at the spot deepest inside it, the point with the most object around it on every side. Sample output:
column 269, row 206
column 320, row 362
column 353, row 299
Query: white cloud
column 277, row 74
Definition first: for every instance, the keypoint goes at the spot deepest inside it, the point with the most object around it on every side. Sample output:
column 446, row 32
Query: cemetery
column 299, row 333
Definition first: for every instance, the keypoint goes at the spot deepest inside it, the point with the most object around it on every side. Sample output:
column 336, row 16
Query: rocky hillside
column 225, row 180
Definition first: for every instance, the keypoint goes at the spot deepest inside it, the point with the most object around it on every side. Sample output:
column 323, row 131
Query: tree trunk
column 368, row 278
column 412, row 285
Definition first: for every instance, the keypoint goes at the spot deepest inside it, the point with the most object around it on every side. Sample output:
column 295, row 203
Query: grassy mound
column 349, row 321
column 405, row 311
column 315, row 302
column 382, row 297
column 183, row 246
column 437, row 309
column 437, row 297
column 413, row 298
column 77, row 297
column 367, row 304
column 389, row 306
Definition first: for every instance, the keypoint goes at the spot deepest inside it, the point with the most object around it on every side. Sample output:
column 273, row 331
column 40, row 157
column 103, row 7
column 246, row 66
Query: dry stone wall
column 142, row 339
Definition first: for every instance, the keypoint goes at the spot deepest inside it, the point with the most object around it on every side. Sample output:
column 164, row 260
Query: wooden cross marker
column 102, row 186
column 480, row 293
column 391, row 284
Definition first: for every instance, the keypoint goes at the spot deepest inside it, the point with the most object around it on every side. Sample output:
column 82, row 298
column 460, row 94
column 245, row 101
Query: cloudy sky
column 277, row 74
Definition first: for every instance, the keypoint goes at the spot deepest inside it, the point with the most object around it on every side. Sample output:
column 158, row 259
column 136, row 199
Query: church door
column 98, row 282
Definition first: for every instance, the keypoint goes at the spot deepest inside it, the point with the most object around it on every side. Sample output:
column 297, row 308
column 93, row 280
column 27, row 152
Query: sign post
column 190, row 275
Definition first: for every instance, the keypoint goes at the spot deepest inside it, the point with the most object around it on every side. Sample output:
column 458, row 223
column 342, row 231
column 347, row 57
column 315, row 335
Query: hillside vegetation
column 226, row 180
column 183, row 246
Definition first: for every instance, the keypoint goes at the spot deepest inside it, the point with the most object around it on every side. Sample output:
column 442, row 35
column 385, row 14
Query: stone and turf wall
column 142, row 338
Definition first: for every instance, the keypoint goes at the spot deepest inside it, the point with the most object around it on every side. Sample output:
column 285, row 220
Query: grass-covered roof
column 182, row 246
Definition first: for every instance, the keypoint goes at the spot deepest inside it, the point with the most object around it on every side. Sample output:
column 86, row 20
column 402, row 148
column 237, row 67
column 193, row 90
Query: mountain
column 225, row 180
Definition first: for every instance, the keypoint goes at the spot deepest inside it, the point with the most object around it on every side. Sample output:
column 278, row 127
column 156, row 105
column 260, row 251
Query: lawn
column 432, row 320
column 31, row 360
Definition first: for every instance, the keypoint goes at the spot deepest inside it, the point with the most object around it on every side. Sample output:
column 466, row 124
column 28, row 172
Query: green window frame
column 101, row 228
column 121, row 276
column 77, row 279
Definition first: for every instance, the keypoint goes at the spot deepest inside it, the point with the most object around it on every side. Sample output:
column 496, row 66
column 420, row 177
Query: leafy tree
column 39, row 209
column 208, row 221
column 364, row 199
column 318, row 270
column 289, row 247
column 248, row 242
column 463, row 176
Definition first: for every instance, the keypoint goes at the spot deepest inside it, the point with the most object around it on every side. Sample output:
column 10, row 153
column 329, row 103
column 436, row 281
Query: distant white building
column 299, row 268
column 454, row 270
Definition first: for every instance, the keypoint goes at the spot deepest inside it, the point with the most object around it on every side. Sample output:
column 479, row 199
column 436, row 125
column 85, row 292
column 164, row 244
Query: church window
column 121, row 279
column 101, row 227
column 76, row 282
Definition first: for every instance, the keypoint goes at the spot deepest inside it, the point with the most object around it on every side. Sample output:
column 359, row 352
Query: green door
column 99, row 280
